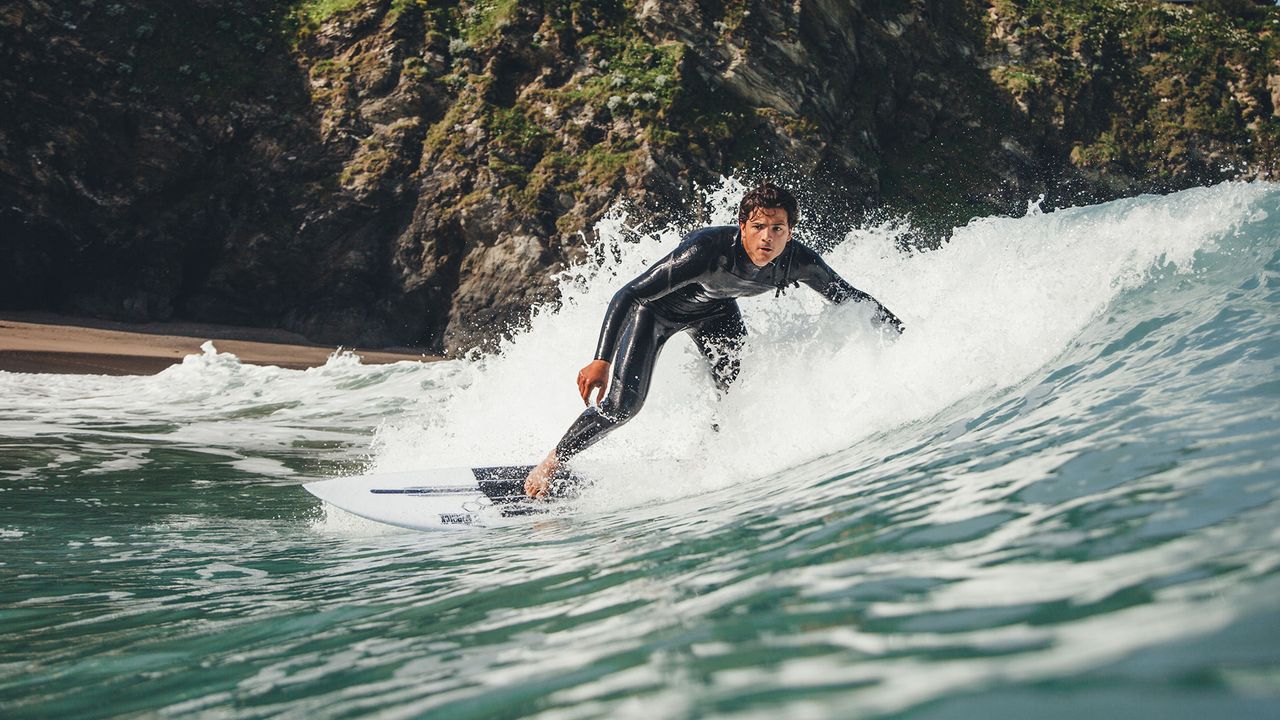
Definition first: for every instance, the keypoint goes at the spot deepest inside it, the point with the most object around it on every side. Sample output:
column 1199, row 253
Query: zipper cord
column 786, row 273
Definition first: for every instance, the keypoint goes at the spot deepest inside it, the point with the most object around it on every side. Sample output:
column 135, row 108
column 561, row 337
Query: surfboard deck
column 442, row 498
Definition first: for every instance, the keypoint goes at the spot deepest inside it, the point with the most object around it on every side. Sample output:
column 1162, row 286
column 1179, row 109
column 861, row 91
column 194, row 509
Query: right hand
column 594, row 375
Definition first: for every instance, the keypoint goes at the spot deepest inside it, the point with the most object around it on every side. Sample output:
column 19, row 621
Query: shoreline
column 40, row 342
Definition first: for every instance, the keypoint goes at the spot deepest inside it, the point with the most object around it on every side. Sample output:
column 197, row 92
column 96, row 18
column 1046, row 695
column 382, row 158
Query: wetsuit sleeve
column 672, row 272
column 815, row 273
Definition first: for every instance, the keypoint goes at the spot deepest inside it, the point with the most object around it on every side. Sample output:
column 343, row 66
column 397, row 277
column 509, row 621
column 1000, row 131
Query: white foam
column 1003, row 298
column 132, row 461
column 263, row 466
column 999, row 301
column 336, row 521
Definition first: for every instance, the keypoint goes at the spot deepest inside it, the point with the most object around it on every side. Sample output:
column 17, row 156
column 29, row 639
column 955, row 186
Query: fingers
column 585, row 386
column 591, row 378
column 597, row 385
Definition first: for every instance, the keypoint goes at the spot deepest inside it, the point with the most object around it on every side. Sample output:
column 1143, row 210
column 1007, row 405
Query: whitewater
column 1055, row 495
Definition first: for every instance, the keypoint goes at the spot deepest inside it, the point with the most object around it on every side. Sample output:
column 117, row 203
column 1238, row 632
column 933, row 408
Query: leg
column 720, row 339
column 639, row 342
column 641, row 339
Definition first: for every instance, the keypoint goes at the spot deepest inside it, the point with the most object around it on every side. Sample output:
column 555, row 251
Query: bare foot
column 538, row 484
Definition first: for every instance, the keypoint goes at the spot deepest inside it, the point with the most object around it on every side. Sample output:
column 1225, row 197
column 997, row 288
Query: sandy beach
column 47, row 343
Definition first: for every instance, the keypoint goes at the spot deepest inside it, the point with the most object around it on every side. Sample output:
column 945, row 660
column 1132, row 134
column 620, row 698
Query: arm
column 818, row 275
column 672, row 272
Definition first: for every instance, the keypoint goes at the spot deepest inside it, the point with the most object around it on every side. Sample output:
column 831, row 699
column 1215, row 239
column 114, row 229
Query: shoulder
column 714, row 237
column 708, row 242
column 805, row 255
column 804, row 251
column 807, row 263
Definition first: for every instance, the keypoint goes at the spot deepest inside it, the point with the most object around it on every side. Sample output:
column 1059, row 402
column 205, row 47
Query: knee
column 623, row 407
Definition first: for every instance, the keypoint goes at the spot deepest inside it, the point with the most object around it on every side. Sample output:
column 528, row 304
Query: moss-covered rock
column 1152, row 95
column 413, row 172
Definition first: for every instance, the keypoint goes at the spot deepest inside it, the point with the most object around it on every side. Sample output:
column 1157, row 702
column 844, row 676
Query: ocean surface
column 1056, row 496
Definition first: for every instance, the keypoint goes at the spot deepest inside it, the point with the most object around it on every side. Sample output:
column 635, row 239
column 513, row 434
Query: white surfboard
column 441, row 498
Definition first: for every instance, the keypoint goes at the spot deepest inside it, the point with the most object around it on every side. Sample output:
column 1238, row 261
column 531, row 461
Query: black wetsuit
column 695, row 289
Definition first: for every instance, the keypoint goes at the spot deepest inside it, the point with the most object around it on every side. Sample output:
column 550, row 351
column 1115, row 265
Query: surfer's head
column 768, row 195
column 765, row 218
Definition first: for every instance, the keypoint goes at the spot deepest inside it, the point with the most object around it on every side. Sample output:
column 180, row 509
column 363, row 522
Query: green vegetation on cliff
column 1165, row 94
column 412, row 171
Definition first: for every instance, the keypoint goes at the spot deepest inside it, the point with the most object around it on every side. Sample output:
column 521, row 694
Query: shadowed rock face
column 388, row 172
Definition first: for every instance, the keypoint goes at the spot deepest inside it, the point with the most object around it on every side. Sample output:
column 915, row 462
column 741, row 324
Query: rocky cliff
column 412, row 172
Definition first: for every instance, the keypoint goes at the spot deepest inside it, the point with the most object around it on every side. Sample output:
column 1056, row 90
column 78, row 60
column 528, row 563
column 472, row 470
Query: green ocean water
column 1054, row 497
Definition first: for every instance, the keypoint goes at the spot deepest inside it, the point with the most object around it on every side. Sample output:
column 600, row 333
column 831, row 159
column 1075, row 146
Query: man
column 694, row 289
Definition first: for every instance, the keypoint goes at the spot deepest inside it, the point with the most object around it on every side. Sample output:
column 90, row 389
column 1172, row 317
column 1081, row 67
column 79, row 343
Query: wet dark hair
column 767, row 195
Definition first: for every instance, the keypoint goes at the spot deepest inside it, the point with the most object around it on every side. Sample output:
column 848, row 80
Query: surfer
column 694, row 289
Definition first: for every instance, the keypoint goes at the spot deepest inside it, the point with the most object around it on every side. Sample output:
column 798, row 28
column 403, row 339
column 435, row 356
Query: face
column 765, row 234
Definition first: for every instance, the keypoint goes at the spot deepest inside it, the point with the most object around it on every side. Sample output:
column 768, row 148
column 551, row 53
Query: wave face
column 1055, row 495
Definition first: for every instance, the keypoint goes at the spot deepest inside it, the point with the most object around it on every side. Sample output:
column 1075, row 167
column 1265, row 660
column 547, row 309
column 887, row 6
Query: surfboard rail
column 441, row 498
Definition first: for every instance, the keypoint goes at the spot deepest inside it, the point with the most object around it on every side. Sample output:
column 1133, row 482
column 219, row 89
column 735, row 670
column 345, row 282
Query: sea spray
column 1004, row 297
